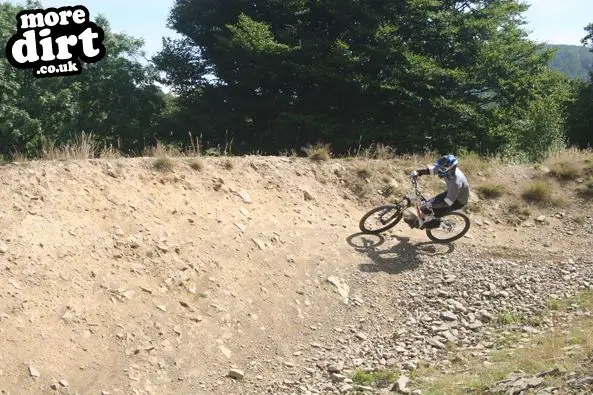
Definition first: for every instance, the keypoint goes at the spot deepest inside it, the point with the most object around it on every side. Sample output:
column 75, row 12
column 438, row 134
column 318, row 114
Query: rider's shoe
column 432, row 224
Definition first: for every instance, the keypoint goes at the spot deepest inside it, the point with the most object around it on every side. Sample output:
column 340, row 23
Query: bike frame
column 422, row 218
column 422, row 221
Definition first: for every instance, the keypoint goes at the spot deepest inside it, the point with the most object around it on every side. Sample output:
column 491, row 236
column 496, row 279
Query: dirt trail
column 119, row 278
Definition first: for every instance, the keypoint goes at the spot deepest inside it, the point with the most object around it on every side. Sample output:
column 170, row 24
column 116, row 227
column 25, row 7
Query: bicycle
column 398, row 209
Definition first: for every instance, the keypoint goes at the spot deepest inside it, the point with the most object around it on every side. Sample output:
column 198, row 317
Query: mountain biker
column 455, row 197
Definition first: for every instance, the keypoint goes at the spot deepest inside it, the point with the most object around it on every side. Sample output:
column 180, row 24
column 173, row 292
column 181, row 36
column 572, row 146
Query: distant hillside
column 574, row 60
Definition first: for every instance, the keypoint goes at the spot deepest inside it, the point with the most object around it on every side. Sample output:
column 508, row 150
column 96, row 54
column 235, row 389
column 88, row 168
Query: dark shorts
column 440, row 198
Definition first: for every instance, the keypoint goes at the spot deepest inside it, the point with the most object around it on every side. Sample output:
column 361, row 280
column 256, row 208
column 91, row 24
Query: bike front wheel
column 388, row 214
column 454, row 225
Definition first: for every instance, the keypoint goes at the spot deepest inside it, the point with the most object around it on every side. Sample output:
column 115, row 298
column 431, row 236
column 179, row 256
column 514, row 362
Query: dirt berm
column 120, row 278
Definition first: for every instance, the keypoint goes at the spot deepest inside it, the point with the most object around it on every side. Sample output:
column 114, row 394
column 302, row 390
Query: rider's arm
column 425, row 171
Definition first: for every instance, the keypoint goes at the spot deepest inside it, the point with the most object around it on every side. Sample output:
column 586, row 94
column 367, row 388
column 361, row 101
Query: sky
column 551, row 21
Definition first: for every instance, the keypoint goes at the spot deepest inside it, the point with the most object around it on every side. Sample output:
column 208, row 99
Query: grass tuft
column 377, row 151
column 318, row 152
column 519, row 211
column 565, row 171
column 196, row 165
column 586, row 190
column 288, row 153
column 363, row 172
column 163, row 150
column 109, row 152
column 83, row 146
column 491, row 191
column 569, row 348
column 163, row 164
column 571, row 165
column 538, row 192
column 471, row 163
column 378, row 378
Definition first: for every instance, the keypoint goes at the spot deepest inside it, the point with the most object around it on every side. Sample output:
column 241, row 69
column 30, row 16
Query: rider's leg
column 439, row 212
column 439, row 199
column 414, row 221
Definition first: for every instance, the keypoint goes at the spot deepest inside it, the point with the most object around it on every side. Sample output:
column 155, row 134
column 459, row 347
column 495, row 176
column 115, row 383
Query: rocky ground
column 446, row 301
column 251, row 278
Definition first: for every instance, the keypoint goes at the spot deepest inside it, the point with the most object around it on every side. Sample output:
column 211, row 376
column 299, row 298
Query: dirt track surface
column 119, row 279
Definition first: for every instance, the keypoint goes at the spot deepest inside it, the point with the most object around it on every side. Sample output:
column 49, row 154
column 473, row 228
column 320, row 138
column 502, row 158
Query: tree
column 580, row 119
column 16, row 125
column 114, row 98
column 117, row 97
column 411, row 74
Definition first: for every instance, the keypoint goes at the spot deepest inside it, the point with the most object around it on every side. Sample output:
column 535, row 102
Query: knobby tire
column 456, row 237
column 397, row 216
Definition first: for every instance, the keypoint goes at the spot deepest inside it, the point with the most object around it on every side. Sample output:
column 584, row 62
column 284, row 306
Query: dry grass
column 163, row 150
column 196, row 164
column 473, row 208
column 227, row 164
column 376, row 151
column 540, row 193
column 318, row 152
column 580, row 220
column 565, row 171
column 388, row 190
column 570, row 155
column 18, row 156
column 164, row 164
column 361, row 190
column 415, row 161
column 570, row 164
column 519, row 212
column 196, row 145
column 288, row 153
column 471, row 164
column 491, row 190
column 568, row 349
column 109, row 153
column 586, row 190
column 364, row 172
column 83, row 146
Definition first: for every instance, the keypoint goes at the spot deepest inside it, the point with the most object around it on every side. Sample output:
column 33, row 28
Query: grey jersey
column 457, row 186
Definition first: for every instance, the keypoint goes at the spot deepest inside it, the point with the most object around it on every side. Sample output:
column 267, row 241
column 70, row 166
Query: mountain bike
column 391, row 214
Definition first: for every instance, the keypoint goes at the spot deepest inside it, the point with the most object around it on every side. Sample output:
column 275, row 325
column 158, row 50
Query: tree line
column 576, row 61
column 273, row 76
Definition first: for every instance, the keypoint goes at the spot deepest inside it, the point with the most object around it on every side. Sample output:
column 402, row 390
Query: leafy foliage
column 113, row 99
column 580, row 114
column 420, row 74
column 272, row 76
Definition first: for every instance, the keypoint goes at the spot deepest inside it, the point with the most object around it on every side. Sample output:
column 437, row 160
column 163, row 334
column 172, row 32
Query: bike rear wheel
column 389, row 216
column 449, row 223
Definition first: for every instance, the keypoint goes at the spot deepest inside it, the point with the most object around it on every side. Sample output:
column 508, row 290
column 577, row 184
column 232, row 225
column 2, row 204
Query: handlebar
column 414, row 181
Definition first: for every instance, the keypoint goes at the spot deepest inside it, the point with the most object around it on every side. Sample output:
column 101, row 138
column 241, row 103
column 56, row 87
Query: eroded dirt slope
column 116, row 277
